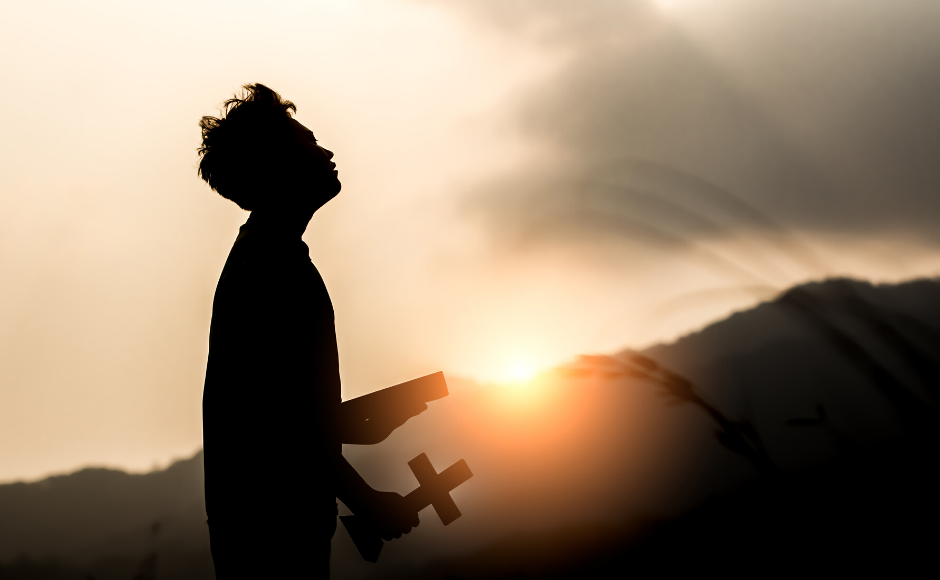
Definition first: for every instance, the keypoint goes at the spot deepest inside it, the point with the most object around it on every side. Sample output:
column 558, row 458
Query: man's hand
column 390, row 514
column 380, row 426
column 377, row 428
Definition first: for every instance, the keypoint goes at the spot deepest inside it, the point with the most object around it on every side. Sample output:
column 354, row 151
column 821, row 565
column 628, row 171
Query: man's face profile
column 318, row 164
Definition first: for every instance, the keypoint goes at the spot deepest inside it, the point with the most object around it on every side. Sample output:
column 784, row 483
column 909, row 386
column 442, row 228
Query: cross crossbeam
column 435, row 487
column 434, row 490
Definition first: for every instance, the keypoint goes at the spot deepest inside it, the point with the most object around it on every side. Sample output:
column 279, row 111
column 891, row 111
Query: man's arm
column 369, row 419
column 387, row 510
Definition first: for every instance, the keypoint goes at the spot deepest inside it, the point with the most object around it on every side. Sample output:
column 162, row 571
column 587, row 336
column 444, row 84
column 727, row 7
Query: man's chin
column 328, row 193
column 334, row 190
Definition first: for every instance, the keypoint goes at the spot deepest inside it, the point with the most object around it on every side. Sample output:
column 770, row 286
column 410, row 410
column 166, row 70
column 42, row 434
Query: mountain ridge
column 592, row 446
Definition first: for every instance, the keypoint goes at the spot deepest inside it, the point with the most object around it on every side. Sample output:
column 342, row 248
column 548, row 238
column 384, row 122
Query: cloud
column 562, row 22
column 749, row 120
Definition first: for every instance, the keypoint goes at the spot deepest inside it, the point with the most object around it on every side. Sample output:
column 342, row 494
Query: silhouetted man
column 273, row 424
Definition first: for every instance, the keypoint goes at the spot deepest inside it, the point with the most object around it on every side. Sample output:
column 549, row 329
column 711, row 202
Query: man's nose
column 329, row 154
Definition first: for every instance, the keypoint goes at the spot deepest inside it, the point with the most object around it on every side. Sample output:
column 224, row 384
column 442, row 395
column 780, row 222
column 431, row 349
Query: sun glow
column 514, row 366
column 522, row 388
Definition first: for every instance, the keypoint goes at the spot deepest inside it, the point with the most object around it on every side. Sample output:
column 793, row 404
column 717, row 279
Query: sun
column 521, row 371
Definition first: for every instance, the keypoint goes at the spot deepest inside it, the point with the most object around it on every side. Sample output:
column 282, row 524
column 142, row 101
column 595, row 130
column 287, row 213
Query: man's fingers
column 389, row 535
column 416, row 409
column 392, row 515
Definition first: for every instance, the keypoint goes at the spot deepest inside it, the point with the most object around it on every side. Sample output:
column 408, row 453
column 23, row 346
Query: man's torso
column 272, row 384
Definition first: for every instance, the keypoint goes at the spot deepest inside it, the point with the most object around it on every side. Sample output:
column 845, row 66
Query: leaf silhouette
column 647, row 363
column 733, row 442
column 748, row 430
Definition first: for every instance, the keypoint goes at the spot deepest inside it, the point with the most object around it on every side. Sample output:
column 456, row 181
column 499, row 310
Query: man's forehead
column 299, row 127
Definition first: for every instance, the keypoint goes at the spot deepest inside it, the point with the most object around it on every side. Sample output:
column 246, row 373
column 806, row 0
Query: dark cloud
column 808, row 117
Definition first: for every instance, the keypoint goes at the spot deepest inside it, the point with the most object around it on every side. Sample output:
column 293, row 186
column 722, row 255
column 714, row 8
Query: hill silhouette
column 823, row 401
column 107, row 523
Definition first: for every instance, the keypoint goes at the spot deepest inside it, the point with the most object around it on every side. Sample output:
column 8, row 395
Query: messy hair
column 246, row 151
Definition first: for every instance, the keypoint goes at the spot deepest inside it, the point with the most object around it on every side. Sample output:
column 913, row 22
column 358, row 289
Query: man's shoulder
column 257, row 263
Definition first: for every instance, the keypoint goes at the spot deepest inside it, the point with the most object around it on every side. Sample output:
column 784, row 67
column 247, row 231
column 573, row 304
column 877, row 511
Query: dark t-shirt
column 272, row 386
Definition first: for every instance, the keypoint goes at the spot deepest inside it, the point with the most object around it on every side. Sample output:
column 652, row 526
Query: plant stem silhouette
column 737, row 436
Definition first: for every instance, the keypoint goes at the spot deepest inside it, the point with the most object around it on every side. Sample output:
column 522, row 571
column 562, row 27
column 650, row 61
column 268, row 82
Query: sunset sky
column 523, row 181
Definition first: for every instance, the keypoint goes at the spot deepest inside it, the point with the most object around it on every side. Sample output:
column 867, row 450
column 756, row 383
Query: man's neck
column 284, row 221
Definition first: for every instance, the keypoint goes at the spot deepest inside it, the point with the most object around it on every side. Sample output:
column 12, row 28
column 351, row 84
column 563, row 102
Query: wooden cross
column 434, row 490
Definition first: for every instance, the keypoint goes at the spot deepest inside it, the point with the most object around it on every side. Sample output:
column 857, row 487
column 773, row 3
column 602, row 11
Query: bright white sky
column 110, row 246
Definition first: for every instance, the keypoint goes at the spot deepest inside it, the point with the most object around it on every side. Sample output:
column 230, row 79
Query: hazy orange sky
column 522, row 182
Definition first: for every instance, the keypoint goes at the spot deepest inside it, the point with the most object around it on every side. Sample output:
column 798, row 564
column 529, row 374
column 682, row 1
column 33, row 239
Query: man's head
column 259, row 156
